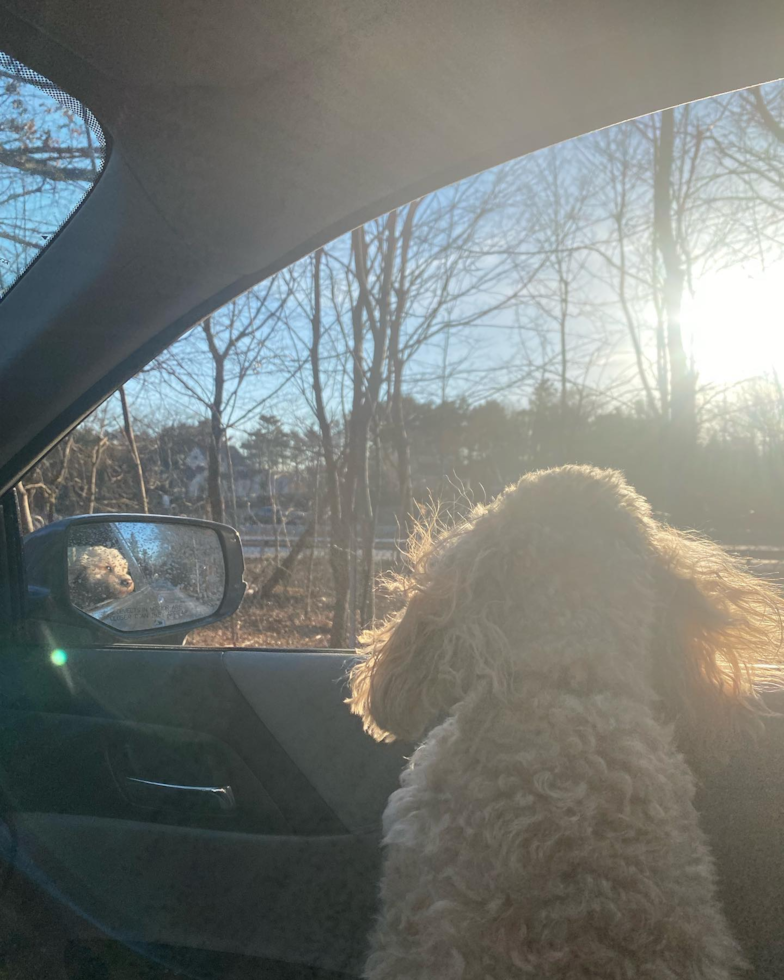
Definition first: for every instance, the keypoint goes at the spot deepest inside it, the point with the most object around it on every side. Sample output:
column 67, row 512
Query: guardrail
column 756, row 552
column 263, row 537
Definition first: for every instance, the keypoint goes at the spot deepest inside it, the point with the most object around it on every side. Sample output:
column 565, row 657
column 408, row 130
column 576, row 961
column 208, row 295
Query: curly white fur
column 553, row 645
column 96, row 574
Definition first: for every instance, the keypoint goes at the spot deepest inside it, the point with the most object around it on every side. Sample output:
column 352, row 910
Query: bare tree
column 397, row 364
column 338, row 544
column 452, row 266
column 347, row 330
column 283, row 570
column 316, row 512
column 222, row 369
column 380, row 302
column 131, row 438
column 25, row 515
column 370, row 314
column 748, row 163
column 95, row 465
column 49, row 477
column 46, row 166
column 557, row 195
column 682, row 379
column 668, row 220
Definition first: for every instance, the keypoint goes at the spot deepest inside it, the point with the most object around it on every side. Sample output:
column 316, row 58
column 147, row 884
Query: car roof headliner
column 246, row 134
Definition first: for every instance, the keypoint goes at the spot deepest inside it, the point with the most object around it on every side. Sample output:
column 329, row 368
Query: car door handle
column 149, row 792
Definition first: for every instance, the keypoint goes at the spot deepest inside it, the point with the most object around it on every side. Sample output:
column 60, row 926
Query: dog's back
column 556, row 837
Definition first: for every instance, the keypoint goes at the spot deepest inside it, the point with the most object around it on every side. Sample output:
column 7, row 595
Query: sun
column 733, row 325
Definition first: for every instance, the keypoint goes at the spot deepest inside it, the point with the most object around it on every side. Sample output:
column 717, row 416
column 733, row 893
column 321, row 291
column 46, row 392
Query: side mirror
column 132, row 577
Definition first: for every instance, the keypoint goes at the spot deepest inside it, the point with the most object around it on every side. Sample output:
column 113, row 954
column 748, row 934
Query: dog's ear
column 408, row 675
column 449, row 637
column 717, row 625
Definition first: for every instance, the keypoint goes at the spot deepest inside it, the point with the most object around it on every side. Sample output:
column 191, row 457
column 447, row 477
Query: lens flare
column 733, row 324
column 59, row 658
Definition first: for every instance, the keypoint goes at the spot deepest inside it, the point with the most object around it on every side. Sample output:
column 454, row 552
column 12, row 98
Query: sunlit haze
column 734, row 324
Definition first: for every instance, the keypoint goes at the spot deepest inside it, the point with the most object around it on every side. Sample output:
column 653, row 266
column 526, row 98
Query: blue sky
column 515, row 344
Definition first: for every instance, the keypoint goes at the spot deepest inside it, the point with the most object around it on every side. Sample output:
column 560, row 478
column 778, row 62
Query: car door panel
column 117, row 759
column 301, row 698
column 289, row 874
column 306, row 900
column 177, row 688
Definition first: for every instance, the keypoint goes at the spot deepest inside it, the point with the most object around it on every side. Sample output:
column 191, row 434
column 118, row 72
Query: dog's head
column 567, row 575
column 99, row 574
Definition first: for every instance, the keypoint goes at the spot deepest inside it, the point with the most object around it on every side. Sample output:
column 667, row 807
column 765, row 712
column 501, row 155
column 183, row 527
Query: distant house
column 248, row 485
column 196, row 473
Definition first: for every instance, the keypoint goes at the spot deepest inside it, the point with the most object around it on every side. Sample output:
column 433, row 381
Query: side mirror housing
column 133, row 578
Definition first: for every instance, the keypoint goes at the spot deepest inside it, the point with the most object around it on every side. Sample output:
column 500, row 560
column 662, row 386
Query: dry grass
column 296, row 615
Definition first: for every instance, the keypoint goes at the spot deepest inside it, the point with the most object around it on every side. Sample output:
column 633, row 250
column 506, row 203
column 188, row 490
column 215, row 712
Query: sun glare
column 734, row 324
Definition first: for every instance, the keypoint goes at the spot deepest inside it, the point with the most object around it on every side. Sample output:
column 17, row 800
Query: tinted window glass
column 51, row 153
column 613, row 300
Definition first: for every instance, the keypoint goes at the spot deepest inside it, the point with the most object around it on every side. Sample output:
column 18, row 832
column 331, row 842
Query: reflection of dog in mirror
column 98, row 574
column 546, row 826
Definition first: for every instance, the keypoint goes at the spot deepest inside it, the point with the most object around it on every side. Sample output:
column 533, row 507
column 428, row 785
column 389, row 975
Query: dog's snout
column 126, row 582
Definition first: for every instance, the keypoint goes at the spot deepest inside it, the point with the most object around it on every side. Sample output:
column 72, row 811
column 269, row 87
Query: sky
column 731, row 317
column 32, row 209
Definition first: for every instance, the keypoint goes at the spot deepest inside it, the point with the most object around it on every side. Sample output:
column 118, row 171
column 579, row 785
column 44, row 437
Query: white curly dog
column 97, row 574
column 559, row 648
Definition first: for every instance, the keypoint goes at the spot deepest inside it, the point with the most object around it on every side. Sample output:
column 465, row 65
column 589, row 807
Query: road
column 766, row 561
column 259, row 539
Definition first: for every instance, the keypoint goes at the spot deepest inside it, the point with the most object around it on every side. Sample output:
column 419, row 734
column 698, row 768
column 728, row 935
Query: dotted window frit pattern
column 52, row 152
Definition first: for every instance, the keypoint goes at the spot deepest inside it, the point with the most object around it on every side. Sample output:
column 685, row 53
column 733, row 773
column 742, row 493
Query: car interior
column 239, row 138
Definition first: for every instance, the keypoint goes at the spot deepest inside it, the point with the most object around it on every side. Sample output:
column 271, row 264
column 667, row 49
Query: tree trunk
column 397, row 365
column 682, row 381
column 131, row 439
column 232, row 487
column 355, row 501
column 768, row 119
column 214, row 485
column 564, row 449
column 313, row 543
column 367, row 389
column 338, row 544
column 368, row 599
column 58, row 482
column 634, row 335
column 273, row 496
column 25, row 517
column 340, row 567
column 282, row 573
column 681, row 432
column 402, row 458
column 341, row 583
column 352, row 587
column 95, row 462
column 364, row 574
